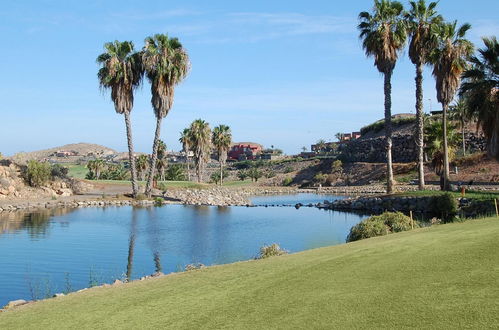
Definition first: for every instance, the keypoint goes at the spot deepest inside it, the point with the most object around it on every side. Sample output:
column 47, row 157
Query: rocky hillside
column 75, row 151
column 13, row 186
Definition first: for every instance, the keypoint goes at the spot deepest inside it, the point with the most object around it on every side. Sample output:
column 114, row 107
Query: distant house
column 244, row 150
column 65, row 153
column 327, row 147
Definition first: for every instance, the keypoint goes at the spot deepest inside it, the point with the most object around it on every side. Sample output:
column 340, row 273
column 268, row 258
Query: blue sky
column 282, row 73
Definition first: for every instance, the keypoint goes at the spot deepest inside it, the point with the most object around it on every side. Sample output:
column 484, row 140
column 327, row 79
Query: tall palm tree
column 481, row 88
column 222, row 140
column 449, row 62
column 166, row 64
column 383, row 35
column 186, row 147
column 420, row 20
column 200, row 142
column 142, row 165
column 121, row 71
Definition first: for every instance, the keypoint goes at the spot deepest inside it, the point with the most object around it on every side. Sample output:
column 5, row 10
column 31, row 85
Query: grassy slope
column 440, row 277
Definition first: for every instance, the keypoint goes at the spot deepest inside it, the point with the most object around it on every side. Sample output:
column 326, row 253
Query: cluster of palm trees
column 432, row 41
column 200, row 140
column 165, row 63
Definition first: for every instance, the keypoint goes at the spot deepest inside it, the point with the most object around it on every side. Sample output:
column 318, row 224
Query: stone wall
column 403, row 148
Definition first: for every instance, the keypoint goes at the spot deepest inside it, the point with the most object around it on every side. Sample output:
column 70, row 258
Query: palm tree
column 321, row 145
column 186, row 147
column 141, row 165
column 121, row 71
column 449, row 62
column 161, row 165
column 420, row 20
column 161, row 149
column 222, row 140
column 96, row 166
column 458, row 113
column 200, row 142
column 481, row 88
column 434, row 143
column 166, row 64
column 383, row 35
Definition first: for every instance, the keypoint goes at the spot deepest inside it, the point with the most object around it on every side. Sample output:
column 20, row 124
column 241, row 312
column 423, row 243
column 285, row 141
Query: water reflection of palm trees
column 36, row 223
column 131, row 244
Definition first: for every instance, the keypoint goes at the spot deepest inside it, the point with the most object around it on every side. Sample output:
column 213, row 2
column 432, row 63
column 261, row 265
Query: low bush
column 242, row 175
column 175, row 172
column 379, row 225
column 215, row 176
column 272, row 250
column 445, row 206
column 287, row 181
column 38, row 173
column 59, row 171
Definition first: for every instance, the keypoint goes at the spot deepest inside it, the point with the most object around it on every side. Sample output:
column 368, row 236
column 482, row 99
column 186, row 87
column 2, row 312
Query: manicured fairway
column 444, row 277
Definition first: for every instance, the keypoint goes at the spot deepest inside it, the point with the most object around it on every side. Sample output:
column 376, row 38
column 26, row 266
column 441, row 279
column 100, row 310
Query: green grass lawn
column 76, row 171
column 442, row 277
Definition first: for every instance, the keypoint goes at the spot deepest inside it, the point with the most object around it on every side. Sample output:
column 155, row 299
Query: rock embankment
column 223, row 196
column 74, row 204
column 13, row 186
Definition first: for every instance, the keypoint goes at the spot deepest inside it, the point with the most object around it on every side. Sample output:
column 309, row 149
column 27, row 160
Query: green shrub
column 215, row 176
column 337, row 166
column 380, row 225
column 254, row 174
column 287, row 181
column 175, row 172
column 272, row 250
column 59, row 171
column 445, row 206
column 288, row 169
column 242, row 175
column 158, row 201
column 38, row 173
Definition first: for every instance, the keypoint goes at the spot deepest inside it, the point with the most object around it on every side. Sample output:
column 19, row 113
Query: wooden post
column 412, row 220
column 497, row 211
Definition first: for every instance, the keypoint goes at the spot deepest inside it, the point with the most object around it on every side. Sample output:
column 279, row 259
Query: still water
column 51, row 251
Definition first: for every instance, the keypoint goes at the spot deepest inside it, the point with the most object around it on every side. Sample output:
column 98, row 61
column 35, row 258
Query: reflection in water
column 131, row 244
column 156, row 239
column 36, row 223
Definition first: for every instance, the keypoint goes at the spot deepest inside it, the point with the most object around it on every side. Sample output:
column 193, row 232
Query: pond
column 63, row 250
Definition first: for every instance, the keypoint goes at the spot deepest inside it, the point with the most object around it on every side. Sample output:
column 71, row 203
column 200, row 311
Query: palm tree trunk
column 493, row 141
column 198, row 171
column 131, row 158
column 154, row 157
column 221, row 174
column 462, row 136
column 188, row 168
column 420, row 125
column 446, row 185
column 388, row 129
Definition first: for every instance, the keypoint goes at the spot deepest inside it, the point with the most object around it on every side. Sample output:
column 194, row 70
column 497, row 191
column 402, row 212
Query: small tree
column 38, row 173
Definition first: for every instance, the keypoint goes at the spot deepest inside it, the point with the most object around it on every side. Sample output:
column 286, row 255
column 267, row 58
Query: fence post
column 497, row 211
column 412, row 220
